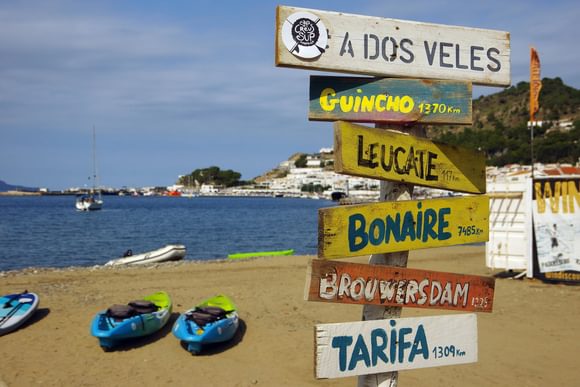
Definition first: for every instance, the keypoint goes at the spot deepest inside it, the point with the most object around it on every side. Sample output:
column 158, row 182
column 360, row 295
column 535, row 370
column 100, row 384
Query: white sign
column 557, row 224
column 377, row 346
column 390, row 47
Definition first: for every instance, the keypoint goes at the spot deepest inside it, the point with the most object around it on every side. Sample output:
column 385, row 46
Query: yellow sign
column 389, row 155
column 385, row 227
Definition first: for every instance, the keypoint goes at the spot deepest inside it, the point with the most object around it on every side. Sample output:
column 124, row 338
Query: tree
column 212, row 175
column 301, row 161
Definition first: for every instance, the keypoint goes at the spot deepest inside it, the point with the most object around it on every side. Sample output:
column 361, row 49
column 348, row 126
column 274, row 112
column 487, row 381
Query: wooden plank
column 390, row 191
column 383, row 227
column 389, row 155
column 353, row 283
column 389, row 100
column 332, row 41
column 370, row 347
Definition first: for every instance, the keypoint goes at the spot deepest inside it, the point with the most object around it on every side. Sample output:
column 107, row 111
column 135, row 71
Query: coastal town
column 313, row 179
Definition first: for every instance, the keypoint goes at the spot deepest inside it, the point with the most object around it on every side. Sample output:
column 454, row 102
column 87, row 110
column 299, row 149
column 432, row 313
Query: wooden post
column 390, row 191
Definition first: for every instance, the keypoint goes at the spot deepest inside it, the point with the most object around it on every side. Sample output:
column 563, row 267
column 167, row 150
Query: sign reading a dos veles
column 388, row 100
column 391, row 155
column 386, row 227
column 332, row 41
column 353, row 283
column 370, row 347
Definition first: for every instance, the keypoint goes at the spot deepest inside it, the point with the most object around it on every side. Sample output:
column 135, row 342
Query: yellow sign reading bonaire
column 384, row 227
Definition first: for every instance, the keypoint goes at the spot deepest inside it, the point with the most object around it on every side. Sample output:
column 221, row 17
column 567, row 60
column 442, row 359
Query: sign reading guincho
column 386, row 227
column 353, row 283
column 332, row 41
column 388, row 100
column 376, row 346
column 390, row 155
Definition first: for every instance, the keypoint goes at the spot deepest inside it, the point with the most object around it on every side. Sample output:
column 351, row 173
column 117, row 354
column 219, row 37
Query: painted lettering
column 497, row 64
column 346, row 47
column 443, row 54
column 561, row 196
column 475, row 58
column 328, row 288
column 400, row 160
column 387, row 48
column 402, row 292
column 449, row 55
column 434, row 226
column 359, row 102
column 404, row 345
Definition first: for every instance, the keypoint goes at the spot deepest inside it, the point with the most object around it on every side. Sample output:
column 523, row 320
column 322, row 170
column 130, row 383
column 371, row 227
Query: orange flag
column 535, row 83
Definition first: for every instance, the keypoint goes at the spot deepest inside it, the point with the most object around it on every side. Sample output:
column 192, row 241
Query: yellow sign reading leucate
column 389, row 155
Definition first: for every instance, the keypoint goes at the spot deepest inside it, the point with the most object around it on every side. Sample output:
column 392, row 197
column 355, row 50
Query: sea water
column 47, row 231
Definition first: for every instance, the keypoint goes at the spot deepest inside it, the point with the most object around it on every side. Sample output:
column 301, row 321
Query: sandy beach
column 530, row 339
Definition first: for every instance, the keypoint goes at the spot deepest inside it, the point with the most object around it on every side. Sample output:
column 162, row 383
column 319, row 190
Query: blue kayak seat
column 205, row 315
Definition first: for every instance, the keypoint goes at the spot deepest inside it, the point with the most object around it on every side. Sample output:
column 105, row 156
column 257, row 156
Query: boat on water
column 163, row 254
column 261, row 254
column 89, row 202
column 135, row 319
column 214, row 320
column 92, row 200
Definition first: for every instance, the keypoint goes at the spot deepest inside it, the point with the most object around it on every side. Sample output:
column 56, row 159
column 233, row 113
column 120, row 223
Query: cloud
column 174, row 85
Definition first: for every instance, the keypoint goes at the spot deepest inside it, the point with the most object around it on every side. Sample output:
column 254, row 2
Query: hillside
column 5, row 187
column 500, row 125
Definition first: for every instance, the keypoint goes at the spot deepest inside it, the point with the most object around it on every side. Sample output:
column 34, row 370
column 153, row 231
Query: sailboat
column 91, row 201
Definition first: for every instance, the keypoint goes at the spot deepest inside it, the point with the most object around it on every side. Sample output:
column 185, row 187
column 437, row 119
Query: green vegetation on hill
column 500, row 125
column 212, row 175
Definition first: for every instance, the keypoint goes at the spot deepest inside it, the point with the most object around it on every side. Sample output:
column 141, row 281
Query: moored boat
column 92, row 200
column 89, row 202
column 136, row 319
column 215, row 320
column 166, row 253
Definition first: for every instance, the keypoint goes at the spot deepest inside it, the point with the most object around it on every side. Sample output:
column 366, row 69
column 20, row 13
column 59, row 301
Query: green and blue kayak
column 135, row 319
column 212, row 321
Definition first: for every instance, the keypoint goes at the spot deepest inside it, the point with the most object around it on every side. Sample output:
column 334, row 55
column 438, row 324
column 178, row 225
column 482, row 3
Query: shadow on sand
column 214, row 349
column 138, row 342
column 38, row 315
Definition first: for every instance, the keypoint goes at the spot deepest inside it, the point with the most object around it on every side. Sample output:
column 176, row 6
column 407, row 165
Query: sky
column 174, row 86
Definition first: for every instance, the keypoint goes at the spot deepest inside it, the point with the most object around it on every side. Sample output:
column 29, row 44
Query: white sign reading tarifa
column 377, row 346
column 332, row 41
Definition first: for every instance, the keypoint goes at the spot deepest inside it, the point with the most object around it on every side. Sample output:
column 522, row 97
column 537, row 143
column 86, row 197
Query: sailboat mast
column 94, row 160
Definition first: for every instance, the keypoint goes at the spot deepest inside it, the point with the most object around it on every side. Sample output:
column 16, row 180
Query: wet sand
column 532, row 337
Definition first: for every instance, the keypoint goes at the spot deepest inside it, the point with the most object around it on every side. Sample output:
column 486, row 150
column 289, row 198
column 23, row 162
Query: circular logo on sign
column 304, row 35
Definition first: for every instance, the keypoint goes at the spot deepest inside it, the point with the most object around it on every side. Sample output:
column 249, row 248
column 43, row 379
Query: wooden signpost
column 332, row 41
column 369, row 347
column 451, row 58
column 389, row 100
column 391, row 155
column 352, row 283
column 383, row 227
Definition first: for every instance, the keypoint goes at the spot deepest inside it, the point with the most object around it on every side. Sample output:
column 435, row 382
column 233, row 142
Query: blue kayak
column 15, row 309
column 215, row 320
column 135, row 319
